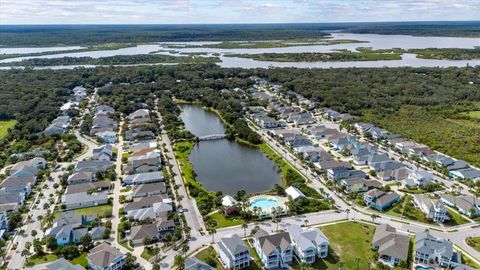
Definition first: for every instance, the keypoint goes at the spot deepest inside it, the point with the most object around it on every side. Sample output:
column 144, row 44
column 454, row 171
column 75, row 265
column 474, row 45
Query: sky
column 232, row 11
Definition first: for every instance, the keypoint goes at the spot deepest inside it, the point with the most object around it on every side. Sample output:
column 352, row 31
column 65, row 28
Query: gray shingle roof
column 234, row 244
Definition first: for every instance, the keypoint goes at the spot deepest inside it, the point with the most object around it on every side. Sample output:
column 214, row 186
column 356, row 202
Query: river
column 223, row 165
column 372, row 40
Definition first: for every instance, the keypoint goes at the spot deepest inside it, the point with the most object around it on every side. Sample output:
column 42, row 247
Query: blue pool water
column 264, row 203
column 422, row 268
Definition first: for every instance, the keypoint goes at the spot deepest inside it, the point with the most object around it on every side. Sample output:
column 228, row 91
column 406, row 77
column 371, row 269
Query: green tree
column 86, row 241
column 179, row 262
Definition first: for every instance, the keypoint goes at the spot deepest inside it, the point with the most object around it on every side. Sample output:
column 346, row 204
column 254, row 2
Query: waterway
column 370, row 40
column 223, row 165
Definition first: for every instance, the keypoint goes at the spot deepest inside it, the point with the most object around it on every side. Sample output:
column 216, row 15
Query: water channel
column 223, row 165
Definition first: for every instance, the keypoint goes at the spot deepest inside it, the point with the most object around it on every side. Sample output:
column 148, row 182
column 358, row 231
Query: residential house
column 354, row 185
column 466, row 204
column 308, row 244
column 143, row 178
column 97, row 233
column 342, row 173
column 392, row 247
column 325, row 165
column 140, row 113
column 195, row 264
column 398, row 174
column 405, row 146
column 105, row 257
column 68, row 228
column 104, row 109
column 467, row 173
column 107, row 136
column 18, row 184
column 430, row 250
column 93, row 166
column 58, row 126
column 146, row 190
column 434, row 209
column 62, row 264
column 156, row 211
column 139, row 134
column 145, row 202
column 149, row 162
column 104, row 152
column 380, row 200
column 275, row 250
column 418, row 178
column 99, row 186
column 80, row 177
column 233, row 252
column 152, row 231
column 363, row 127
column 84, row 199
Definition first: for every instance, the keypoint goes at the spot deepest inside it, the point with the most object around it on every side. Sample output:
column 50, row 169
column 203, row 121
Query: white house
column 233, row 252
column 107, row 136
column 432, row 208
column 275, row 250
column 228, row 201
column 308, row 244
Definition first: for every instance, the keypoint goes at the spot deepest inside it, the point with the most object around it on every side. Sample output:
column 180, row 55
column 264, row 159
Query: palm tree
column 245, row 227
column 179, row 262
column 306, row 222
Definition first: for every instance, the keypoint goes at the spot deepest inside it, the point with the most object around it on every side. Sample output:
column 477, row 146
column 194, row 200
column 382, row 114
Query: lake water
column 223, row 165
column 374, row 41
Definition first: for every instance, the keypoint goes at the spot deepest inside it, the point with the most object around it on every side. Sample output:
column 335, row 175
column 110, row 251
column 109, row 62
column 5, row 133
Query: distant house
column 141, row 113
column 294, row 193
column 105, row 257
column 418, row 178
column 93, row 166
column 80, row 177
column 354, row 185
column 82, row 200
column 434, row 209
column 107, row 136
column 342, row 173
column 89, row 187
column 143, row 178
column 233, row 252
column 380, row 200
column 146, row 190
column 18, row 184
column 391, row 246
column 430, row 250
column 468, row 173
column 62, row 264
column 324, row 166
column 228, row 201
column 275, row 250
column 152, row 231
column 398, row 174
column 195, row 264
column 363, row 127
column 467, row 205
column 58, row 126
column 97, row 233
column 149, row 162
column 156, row 211
column 138, row 134
column 308, row 244
column 104, row 152
column 144, row 202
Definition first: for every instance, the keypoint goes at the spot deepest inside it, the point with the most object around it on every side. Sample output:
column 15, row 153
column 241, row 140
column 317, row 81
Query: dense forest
column 402, row 99
column 58, row 35
column 113, row 60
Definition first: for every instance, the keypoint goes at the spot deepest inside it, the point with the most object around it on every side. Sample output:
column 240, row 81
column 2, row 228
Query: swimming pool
column 423, row 268
column 263, row 205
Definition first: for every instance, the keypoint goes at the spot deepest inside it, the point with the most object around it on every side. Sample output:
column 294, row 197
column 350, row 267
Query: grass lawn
column 147, row 254
column 223, row 222
column 102, row 210
column 208, row 253
column 47, row 257
column 81, row 260
column 457, row 219
column 182, row 151
column 474, row 242
column 348, row 241
column 4, row 126
column 405, row 207
column 473, row 114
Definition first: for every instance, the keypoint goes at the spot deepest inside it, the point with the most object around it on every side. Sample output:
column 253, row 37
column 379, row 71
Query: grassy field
column 474, row 242
column 102, row 210
column 47, row 257
column 81, row 260
column 405, row 207
column 473, row 114
column 147, row 254
column 348, row 241
column 208, row 254
column 223, row 222
column 4, row 126
column 457, row 219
